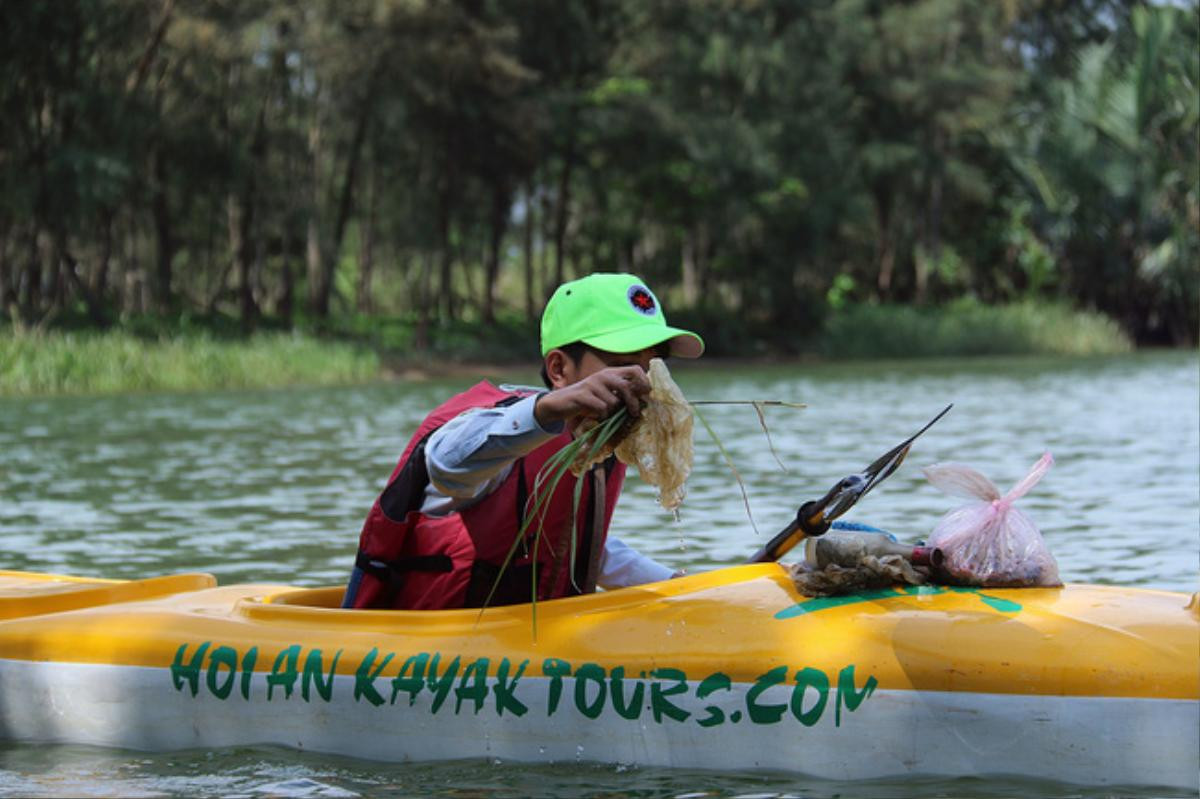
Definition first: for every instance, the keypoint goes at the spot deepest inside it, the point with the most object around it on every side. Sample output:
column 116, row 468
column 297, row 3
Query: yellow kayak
column 730, row 669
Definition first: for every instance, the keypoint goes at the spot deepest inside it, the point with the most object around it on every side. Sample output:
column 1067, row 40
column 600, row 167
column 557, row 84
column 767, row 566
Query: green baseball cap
column 614, row 313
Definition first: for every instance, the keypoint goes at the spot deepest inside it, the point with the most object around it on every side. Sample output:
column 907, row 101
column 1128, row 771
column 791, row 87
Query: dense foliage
column 762, row 162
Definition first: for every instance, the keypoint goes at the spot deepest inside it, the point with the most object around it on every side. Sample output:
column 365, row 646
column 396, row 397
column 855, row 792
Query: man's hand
column 596, row 396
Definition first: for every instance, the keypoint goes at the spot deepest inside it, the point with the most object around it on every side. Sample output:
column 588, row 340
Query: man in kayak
column 442, row 530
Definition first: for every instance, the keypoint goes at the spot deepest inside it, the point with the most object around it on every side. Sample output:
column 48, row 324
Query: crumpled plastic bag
column 989, row 542
column 658, row 442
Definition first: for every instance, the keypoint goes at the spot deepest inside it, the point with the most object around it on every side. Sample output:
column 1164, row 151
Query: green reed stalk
column 545, row 485
column 588, row 444
column 728, row 460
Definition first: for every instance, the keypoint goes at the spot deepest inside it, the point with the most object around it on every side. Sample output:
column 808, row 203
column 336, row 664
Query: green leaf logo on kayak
column 824, row 603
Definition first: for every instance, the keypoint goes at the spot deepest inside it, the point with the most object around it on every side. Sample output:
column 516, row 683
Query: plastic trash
column 855, row 557
column 989, row 542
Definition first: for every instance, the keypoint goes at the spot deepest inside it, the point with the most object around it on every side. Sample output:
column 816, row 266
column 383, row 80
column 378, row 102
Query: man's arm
column 622, row 566
column 596, row 396
column 470, row 455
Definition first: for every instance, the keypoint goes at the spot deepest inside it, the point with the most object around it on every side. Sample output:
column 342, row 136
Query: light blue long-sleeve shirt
column 472, row 454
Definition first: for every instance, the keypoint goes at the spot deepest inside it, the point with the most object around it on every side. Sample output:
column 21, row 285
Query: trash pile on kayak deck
column 987, row 542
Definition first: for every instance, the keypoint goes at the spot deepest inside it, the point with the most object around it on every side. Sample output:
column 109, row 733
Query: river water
column 272, row 486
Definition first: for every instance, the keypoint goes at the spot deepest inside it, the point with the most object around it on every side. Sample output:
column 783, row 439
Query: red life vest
column 421, row 562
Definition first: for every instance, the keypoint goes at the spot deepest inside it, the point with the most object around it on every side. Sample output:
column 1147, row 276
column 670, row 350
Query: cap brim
column 684, row 343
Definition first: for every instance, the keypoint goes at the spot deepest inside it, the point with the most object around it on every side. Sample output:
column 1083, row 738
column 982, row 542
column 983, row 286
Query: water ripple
column 273, row 485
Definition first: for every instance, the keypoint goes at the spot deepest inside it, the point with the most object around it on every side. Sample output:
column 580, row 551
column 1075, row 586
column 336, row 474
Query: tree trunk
column 318, row 294
column 564, row 199
column 543, row 266
column 321, row 288
column 933, row 241
column 55, row 285
column 242, row 254
column 472, row 252
column 424, row 304
column 237, row 246
column 284, row 302
column 527, row 250
column 704, row 259
column 138, row 76
column 247, row 255
column 245, row 252
column 366, row 246
column 932, row 227
column 233, row 225
column 318, row 278
column 501, row 205
column 446, row 266
column 625, row 254
column 293, row 253
column 258, row 269
column 70, row 270
column 130, row 280
column 161, row 212
column 99, row 281
column 885, row 247
column 691, row 267
column 7, row 297
column 29, row 288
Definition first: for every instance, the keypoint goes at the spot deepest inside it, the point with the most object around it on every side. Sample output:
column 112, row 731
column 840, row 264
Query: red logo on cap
column 642, row 300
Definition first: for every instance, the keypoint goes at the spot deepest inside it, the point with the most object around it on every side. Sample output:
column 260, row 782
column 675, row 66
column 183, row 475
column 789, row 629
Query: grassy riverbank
column 968, row 328
column 117, row 361
column 151, row 357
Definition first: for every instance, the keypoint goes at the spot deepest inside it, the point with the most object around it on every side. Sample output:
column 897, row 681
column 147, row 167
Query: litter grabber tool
column 815, row 516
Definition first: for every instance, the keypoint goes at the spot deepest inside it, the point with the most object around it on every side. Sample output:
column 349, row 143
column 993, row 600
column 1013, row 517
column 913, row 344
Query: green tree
column 1114, row 164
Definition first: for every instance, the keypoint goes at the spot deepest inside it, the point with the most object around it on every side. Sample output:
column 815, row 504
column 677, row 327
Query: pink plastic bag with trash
column 989, row 542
